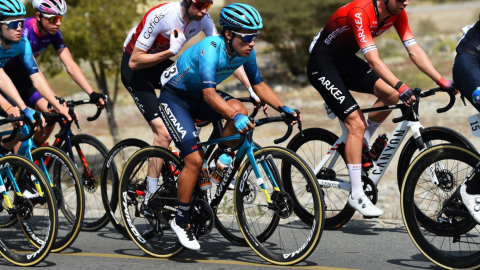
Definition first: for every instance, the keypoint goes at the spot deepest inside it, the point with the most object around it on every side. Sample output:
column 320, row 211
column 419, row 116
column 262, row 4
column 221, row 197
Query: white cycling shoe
column 364, row 206
column 185, row 236
column 472, row 202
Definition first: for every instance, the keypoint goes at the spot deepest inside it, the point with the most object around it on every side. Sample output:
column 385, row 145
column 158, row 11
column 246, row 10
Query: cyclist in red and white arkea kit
column 334, row 69
column 147, row 52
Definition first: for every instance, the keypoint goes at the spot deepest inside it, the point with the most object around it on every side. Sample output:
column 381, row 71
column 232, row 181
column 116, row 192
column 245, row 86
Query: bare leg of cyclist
column 386, row 96
column 38, row 138
column 230, row 129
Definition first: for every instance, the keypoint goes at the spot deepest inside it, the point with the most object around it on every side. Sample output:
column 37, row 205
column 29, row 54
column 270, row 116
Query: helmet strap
column 386, row 6
column 229, row 41
column 186, row 5
column 39, row 23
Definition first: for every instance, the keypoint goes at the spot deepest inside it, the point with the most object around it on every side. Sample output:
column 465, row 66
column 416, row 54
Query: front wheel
column 436, row 219
column 89, row 155
column 293, row 239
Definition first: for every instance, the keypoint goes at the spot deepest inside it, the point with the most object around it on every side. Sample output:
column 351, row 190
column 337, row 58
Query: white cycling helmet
column 55, row 7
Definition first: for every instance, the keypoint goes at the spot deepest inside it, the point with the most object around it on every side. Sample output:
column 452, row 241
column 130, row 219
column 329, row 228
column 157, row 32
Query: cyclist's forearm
column 420, row 59
column 215, row 101
column 141, row 59
column 381, row 69
column 266, row 94
column 242, row 76
column 77, row 76
column 41, row 84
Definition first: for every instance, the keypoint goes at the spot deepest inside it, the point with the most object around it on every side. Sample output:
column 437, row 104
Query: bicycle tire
column 111, row 171
column 228, row 228
column 15, row 248
column 68, row 191
column 95, row 153
column 291, row 252
column 140, row 229
column 312, row 147
column 463, row 257
column 429, row 134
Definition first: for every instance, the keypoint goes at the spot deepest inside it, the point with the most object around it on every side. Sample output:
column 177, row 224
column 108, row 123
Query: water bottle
column 476, row 96
column 378, row 146
column 204, row 179
column 222, row 165
column 172, row 168
column 367, row 162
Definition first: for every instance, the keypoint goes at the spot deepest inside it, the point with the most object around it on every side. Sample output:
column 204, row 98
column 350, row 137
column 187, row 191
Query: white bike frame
column 381, row 165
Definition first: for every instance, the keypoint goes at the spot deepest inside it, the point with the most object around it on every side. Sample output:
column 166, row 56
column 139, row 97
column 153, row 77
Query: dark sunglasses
column 248, row 37
column 15, row 24
column 201, row 5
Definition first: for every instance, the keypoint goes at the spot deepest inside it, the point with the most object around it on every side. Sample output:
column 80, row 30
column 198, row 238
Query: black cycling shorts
column 466, row 75
column 333, row 78
column 142, row 84
column 178, row 114
column 23, row 83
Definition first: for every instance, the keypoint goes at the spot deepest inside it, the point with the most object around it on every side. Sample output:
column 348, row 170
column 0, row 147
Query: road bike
column 28, row 227
column 324, row 151
column 265, row 207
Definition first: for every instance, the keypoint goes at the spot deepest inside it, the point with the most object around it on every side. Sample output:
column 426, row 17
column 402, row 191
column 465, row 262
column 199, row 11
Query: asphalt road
column 372, row 244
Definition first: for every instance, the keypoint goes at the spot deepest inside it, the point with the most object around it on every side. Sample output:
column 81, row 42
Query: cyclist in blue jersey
column 42, row 30
column 189, row 92
column 12, row 44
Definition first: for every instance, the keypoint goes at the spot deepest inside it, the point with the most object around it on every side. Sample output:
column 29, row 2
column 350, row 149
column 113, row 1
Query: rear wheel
column 111, row 172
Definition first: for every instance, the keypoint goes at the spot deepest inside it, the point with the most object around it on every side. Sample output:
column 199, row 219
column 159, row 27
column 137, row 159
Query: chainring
column 201, row 216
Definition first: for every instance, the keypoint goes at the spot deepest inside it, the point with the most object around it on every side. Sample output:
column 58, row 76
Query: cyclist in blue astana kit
column 41, row 31
column 12, row 44
column 147, row 52
column 466, row 76
column 189, row 92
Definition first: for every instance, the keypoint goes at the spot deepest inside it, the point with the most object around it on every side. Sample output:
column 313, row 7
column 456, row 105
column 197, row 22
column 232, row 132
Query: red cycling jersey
column 353, row 27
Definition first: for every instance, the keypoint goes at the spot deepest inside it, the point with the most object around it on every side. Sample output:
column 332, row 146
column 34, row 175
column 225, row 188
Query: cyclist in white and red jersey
column 334, row 69
column 148, row 49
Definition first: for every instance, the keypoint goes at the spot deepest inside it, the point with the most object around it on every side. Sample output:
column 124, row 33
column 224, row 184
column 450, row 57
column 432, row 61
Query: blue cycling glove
column 241, row 121
column 29, row 113
column 287, row 109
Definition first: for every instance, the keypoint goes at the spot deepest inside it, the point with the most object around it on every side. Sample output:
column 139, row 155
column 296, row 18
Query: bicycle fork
column 260, row 181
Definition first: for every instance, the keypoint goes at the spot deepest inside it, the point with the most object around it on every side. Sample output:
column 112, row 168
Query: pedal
column 364, row 217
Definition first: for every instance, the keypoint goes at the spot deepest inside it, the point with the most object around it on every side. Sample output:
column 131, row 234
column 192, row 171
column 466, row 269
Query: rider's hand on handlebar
column 447, row 84
column 407, row 96
column 98, row 99
column 292, row 112
column 14, row 111
column 242, row 123
column 30, row 114
column 64, row 112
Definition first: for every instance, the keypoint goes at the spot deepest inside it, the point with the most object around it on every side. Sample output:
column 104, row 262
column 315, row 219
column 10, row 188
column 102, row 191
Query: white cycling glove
column 176, row 43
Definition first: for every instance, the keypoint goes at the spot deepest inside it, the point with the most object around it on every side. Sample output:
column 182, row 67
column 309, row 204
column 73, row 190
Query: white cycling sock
column 152, row 184
column 355, row 172
column 371, row 128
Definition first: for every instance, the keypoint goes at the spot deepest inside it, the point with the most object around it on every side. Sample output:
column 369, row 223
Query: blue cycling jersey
column 205, row 65
column 24, row 51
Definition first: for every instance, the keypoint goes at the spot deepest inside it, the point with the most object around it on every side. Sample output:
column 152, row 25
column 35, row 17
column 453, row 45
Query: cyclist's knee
column 160, row 133
column 194, row 161
column 237, row 105
column 355, row 124
column 42, row 105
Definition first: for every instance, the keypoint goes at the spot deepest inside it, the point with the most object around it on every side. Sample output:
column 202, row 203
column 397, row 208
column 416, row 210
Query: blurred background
column 95, row 31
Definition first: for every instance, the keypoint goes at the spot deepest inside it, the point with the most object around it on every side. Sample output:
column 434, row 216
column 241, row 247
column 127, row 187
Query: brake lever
column 299, row 122
column 72, row 114
column 38, row 118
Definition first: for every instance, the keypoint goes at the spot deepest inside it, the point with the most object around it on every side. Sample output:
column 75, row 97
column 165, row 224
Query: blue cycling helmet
column 240, row 17
column 11, row 8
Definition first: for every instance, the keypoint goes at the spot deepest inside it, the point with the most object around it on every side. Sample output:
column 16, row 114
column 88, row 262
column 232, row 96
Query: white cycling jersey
column 153, row 32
